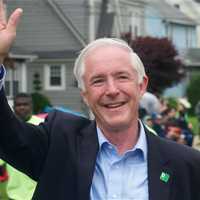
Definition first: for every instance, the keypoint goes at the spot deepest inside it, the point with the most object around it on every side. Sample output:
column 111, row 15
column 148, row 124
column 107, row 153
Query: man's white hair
column 79, row 66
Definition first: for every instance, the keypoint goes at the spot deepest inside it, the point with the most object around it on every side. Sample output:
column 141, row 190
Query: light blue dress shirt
column 120, row 177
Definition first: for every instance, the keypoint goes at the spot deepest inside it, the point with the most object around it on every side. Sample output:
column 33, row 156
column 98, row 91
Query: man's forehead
column 107, row 55
column 101, row 48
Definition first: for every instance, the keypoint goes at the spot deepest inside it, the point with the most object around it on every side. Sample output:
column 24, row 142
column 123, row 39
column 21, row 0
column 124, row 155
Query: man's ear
column 143, row 85
column 84, row 97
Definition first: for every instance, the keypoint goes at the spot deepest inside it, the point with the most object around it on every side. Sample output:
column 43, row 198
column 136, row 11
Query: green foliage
column 159, row 57
column 40, row 101
column 195, row 124
column 172, row 102
column 193, row 91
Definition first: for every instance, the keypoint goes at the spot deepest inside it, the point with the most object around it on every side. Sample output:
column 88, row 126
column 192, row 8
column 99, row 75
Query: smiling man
column 113, row 90
column 111, row 157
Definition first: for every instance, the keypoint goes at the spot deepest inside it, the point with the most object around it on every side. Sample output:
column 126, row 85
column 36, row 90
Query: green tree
column 160, row 60
column 193, row 92
column 40, row 101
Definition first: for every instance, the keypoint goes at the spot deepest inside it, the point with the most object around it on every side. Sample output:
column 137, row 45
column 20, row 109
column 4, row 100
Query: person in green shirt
column 18, row 186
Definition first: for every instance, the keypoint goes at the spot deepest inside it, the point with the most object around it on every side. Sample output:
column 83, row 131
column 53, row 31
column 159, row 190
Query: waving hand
column 7, row 29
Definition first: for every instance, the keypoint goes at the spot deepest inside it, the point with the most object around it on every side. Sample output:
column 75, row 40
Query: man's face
column 111, row 88
column 23, row 108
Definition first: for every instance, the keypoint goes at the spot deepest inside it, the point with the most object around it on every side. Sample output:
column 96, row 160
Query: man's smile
column 114, row 104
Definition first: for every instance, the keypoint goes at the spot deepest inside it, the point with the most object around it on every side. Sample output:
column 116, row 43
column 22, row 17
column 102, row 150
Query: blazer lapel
column 160, row 175
column 87, row 152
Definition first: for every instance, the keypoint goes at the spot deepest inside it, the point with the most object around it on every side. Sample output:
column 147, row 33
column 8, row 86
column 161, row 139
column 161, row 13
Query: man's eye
column 123, row 77
column 97, row 81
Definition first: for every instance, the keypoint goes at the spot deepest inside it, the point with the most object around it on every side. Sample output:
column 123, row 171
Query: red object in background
column 174, row 129
column 42, row 115
column 3, row 173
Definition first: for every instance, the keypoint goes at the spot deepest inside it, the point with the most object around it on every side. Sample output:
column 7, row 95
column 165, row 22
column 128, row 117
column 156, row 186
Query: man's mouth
column 114, row 105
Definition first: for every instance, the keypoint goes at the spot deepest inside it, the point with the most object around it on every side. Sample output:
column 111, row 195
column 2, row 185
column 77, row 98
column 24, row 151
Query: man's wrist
column 2, row 57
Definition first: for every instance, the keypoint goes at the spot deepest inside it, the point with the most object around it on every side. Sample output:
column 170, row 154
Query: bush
column 193, row 93
column 39, row 102
column 172, row 102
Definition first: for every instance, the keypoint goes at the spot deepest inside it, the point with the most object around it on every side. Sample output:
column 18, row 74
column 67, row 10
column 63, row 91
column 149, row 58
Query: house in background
column 47, row 35
column 190, row 56
column 190, row 8
column 50, row 36
column 165, row 20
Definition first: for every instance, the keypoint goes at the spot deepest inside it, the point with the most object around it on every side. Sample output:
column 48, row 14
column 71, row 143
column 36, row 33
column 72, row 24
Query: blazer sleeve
column 22, row 145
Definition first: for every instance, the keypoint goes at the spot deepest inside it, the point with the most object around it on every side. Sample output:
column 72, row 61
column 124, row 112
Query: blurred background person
column 182, row 118
column 150, row 103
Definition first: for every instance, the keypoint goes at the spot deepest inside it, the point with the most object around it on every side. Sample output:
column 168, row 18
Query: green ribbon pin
column 164, row 177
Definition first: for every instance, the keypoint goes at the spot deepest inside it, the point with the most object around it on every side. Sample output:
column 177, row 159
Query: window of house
column 12, row 82
column 54, row 77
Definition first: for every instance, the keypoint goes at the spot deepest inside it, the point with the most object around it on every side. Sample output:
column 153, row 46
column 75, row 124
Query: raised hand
column 7, row 29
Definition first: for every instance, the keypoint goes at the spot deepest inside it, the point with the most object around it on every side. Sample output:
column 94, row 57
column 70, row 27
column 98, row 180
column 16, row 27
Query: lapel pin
column 164, row 177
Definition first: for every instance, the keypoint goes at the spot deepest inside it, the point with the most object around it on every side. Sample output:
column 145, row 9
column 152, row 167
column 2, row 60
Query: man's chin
column 117, row 125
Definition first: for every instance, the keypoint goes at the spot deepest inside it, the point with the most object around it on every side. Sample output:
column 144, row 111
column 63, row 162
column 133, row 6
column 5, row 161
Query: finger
column 14, row 20
column 2, row 12
column 2, row 27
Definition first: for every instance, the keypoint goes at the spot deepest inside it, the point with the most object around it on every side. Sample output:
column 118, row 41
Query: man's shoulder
column 173, row 150
column 68, row 115
column 68, row 119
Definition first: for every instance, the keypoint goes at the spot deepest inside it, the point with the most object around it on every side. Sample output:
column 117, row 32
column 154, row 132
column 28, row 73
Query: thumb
column 14, row 20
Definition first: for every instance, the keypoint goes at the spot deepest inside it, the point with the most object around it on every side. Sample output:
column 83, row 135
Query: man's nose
column 112, row 88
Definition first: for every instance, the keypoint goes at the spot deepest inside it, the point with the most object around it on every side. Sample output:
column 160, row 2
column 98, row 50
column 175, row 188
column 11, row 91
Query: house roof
column 19, row 52
column 45, row 27
column 170, row 13
column 66, row 54
column 189, row 7
column 22, row 54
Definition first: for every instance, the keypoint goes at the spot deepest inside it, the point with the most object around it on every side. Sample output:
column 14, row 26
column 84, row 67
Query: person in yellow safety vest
column 18, row 186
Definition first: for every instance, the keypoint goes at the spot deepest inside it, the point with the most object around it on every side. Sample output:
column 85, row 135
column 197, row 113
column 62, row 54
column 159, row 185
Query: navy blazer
column 61, row 153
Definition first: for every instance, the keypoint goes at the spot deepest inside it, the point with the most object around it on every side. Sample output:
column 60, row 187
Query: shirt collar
column 141, row 143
